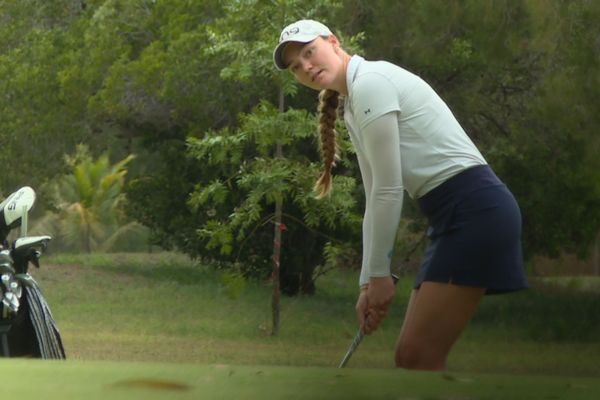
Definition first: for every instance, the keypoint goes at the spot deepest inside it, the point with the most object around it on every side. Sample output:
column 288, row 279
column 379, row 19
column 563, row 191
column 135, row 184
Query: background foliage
column 189, row 88
column 86, row 210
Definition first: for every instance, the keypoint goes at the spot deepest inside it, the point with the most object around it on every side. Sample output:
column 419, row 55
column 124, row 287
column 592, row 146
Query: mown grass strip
column 51, row 380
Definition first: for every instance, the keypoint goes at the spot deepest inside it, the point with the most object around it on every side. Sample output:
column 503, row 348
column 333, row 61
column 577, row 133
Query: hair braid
column 328, row 105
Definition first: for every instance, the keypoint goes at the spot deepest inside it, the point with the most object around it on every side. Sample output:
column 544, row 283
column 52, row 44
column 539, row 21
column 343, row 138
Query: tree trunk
column 277, row 241
column 596, row 256
column 88, row 238
column 275, row 275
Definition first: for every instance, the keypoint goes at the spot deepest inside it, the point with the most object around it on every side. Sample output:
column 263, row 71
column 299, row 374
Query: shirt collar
column 351, row 71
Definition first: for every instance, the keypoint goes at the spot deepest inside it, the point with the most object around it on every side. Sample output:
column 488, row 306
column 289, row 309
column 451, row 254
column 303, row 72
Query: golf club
column 357, row 339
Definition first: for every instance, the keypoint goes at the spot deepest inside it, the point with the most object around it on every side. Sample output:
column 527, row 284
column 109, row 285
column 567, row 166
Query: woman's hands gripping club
column 374, row 301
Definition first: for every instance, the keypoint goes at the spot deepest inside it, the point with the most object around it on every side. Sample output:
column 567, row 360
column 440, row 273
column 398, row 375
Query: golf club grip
column 358, row 337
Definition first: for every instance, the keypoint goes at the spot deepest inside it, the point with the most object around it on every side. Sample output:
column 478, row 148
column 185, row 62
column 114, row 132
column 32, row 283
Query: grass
column 163, row 307
column 577, row 283
column 162, row 312
column 127, row 380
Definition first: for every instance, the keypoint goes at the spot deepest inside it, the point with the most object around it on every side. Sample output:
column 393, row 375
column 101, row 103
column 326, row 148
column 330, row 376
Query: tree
column 148, row 77
column 554, row 155
column 159, row 87
column 88, row 205
column 520, row 76
column 40, row 120
column 272, row 185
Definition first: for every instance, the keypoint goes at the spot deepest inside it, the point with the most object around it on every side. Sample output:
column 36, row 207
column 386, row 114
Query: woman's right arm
column 367, row 179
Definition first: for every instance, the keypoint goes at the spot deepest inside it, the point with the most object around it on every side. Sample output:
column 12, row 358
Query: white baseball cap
column 303, row 31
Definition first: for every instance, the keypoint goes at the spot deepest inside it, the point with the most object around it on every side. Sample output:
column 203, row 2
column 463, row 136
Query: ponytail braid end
column 328, row 105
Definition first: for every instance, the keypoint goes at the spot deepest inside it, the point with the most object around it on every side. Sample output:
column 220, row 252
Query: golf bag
column 27, row 328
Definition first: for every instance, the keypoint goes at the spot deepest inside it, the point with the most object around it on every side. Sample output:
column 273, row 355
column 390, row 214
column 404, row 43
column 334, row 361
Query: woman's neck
column 341, row 84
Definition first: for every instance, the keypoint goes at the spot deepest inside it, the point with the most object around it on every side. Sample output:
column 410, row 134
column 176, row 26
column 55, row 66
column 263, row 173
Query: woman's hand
column 379, row 295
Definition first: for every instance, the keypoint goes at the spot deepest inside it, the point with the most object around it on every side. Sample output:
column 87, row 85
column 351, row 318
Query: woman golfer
column 406, row 138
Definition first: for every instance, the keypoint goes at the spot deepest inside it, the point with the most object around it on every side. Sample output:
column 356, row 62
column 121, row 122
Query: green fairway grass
column 58, row 380
column 163, row 307
column 143, row 325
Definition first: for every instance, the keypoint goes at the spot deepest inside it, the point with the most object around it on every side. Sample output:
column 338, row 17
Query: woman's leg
column 436, row 315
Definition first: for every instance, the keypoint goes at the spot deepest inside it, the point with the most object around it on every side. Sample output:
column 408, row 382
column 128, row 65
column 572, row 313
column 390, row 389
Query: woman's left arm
column 381, row 143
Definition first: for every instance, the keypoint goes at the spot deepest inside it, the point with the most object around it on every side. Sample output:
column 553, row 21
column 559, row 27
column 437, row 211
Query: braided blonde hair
column 328, row 106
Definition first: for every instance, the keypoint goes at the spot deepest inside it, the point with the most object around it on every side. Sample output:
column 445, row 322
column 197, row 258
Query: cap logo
column 290, row 32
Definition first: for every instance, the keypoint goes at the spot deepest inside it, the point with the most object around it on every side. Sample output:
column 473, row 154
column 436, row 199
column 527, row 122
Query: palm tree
column 88, row 204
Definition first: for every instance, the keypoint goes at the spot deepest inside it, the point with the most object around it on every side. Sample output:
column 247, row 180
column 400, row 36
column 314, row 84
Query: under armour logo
column 367, row 111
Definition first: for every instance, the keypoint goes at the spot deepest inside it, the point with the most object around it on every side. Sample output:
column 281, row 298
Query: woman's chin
column 315, row 86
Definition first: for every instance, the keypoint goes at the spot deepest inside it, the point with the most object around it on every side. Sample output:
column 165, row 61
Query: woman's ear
column 334, row 42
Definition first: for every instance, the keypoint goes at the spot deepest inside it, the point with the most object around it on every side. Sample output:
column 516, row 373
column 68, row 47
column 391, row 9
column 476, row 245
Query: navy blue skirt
column 474, row 233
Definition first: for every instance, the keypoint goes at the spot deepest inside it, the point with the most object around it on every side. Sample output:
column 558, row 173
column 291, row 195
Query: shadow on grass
column 160, row 267
column 180, row 274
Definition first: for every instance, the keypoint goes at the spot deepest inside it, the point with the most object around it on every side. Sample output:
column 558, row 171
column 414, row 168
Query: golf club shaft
column 358, row 338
